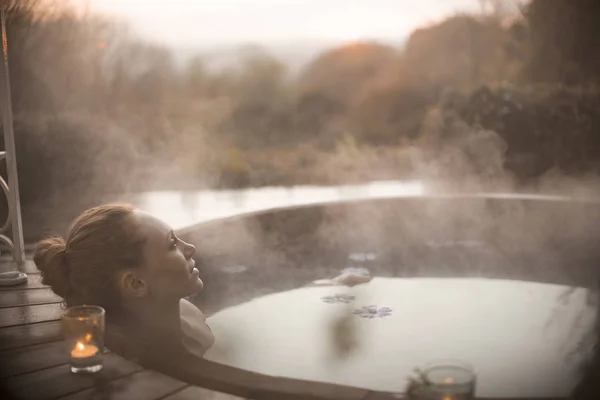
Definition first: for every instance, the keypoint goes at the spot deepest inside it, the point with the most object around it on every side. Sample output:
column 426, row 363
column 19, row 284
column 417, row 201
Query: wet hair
column 82, row 268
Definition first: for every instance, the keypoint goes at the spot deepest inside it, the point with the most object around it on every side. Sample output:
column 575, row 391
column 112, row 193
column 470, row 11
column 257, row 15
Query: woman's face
column 168, row 269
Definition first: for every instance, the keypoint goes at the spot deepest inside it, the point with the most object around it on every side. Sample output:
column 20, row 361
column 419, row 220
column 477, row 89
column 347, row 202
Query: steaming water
column 521, row 337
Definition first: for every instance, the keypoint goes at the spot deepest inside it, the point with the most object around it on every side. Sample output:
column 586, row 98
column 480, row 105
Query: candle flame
column 447, row 398
column 80, row 346
column 88, row 337
column 448, row 380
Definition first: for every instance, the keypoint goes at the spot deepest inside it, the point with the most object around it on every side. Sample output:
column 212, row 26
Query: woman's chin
column 198, row 285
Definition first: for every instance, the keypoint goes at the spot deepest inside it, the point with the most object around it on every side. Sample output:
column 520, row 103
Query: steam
column 119, row 118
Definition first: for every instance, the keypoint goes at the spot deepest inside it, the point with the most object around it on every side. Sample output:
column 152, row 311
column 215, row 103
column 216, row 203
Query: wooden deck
column 34, row 363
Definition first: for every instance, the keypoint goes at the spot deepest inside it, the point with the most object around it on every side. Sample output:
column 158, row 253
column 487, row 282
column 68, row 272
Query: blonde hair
column 82, row 268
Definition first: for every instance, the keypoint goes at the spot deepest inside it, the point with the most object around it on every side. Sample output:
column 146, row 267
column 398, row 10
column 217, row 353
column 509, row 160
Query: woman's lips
column 192, row 267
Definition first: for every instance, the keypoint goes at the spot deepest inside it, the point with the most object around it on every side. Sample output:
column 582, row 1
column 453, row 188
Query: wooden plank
column 24, row 297
column 34, row 281
column 141, row 385
column 27, row 335
column 7, row 264
column 197, row 393
column 12, row 316
column 59, row 381
column 28, row 359
column 385, row 396
column 32, row 358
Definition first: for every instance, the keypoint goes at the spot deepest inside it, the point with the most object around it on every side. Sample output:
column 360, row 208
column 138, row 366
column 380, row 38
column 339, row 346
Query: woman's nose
column 188, row 250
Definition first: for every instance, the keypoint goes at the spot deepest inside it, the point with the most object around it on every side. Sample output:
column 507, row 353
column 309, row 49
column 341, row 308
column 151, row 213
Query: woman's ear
column 132, row 285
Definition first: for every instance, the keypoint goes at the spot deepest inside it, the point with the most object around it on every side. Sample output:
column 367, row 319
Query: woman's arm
column 243, row 383
column 174, row 358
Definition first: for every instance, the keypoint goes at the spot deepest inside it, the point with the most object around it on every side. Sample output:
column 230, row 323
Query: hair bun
column 49, row 258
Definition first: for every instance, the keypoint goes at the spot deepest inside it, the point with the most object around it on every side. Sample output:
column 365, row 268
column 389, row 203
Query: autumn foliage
column 98, row 110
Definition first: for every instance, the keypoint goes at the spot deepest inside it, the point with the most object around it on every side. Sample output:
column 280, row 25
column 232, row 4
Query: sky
column 197, row 23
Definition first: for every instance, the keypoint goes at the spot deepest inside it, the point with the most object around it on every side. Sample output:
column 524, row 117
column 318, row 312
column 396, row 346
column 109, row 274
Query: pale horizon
column 214, row 23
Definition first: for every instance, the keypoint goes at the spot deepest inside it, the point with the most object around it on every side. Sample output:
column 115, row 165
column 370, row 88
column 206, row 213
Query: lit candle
column 84, row 350
column 83, row 327
column 449, row 380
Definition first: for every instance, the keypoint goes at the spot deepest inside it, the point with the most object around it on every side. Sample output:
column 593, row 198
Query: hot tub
column 506, row 283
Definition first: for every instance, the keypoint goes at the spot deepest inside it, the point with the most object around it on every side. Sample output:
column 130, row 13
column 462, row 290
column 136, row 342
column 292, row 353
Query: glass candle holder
column 448, row 380
column 83, row 327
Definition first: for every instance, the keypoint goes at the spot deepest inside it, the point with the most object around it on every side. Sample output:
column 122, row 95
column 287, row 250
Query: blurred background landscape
column 111, row 99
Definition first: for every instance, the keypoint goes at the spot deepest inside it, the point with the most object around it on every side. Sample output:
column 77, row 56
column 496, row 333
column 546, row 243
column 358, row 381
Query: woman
column 136, row 267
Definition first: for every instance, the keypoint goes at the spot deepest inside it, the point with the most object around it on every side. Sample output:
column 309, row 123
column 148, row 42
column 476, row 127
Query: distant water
column 184, row 209
column 521, row 337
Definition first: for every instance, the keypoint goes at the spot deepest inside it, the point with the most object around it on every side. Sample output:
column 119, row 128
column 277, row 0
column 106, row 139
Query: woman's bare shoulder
column 119, row 342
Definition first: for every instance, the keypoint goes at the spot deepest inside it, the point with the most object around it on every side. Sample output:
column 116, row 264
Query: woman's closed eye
column 174, row 241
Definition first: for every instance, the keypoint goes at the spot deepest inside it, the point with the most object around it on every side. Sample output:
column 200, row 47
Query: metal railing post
column 12, row 188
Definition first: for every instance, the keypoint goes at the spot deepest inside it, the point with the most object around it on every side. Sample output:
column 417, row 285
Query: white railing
column 10, row 188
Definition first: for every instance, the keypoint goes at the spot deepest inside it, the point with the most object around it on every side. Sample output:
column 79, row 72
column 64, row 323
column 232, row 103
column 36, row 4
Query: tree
column 462, row 51
column 261, row 76
column 389, row 111
column 564, row 41
column 341, row 73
